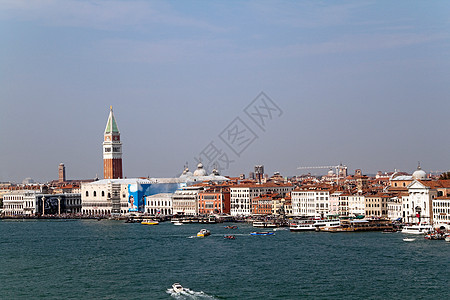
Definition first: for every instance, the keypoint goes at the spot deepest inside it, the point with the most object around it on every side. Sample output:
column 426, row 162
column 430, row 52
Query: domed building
column 419, row 174
column 200, row 171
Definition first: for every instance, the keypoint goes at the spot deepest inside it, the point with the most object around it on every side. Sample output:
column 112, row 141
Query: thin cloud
column 104, row 15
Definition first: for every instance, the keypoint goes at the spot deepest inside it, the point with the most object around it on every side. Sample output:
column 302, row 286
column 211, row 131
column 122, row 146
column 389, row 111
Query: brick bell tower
column 112, row 149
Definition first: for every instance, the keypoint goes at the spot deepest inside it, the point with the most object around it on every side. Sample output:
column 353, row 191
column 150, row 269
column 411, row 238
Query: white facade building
column 356, row 205
column 419, row 202
column 441, row 211
column 185, row 201
column 395, row 208
column 30, row 202
column 110, row 196
column 310, row 202
column 241, row 195
column 159, row 204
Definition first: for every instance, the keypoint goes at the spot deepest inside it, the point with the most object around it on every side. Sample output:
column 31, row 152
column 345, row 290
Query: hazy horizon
column 361, row 83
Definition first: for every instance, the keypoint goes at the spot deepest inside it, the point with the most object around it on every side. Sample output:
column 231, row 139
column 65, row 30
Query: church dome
column 200, row 171
column 419, row 174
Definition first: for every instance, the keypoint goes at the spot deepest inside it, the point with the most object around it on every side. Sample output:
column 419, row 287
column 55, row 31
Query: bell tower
column 112, row 149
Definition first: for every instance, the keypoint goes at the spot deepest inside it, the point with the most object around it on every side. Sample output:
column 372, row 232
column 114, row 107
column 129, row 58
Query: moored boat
column 264, row 224
column 417, row 229
column 311, row 225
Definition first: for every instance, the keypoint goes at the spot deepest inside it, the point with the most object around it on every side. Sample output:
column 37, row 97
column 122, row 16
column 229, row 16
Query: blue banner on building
column 136, row 196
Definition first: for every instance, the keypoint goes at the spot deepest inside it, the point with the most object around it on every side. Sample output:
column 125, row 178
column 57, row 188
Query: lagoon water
column 89, row 259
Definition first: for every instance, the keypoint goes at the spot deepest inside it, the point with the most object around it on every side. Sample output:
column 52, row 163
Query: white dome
column 200, row 171
column 419, row 174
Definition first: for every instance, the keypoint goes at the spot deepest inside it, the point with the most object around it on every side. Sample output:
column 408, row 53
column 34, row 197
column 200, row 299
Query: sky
column 236, row 83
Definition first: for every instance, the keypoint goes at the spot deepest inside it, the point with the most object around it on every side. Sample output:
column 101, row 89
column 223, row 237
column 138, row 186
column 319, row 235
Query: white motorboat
column 408, row 240
column 177, row 288
column 447, row 238
column 177, row 223
column 417, row 229
column 311, row 225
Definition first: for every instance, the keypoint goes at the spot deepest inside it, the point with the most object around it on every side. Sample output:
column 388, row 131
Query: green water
column 88, row 259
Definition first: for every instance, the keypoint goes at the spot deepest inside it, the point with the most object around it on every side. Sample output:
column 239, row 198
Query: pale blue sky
column 365, row 83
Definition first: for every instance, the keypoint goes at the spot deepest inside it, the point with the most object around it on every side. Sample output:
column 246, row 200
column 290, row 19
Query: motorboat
column 177, row 288
column 229, row 237
column 447, row 238
column 177, row 223
column 262, row 233
column 409, row 240
column 417, row 229
column 203, row 233
column 231, row 227
column 149, row 222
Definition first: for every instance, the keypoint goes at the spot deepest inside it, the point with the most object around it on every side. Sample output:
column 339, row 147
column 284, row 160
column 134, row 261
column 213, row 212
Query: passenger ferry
column 311, row 225
column 417, row 229
column 263, row 224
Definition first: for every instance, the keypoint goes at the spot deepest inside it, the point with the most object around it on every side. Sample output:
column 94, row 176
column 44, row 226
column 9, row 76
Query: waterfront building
column 343, row 208
column 282, row 206
column 112, row 149
column 310, row 201
column 356, row 205
column 334, row 203
column 394, row 207
column 441, row 210
column 263, row 205
column 377, row 205
column 159, row 204
column 115, row 196
column 185, row 201
column 214, row 200
column 242, row 195
column 418, row 206
column 34, row 202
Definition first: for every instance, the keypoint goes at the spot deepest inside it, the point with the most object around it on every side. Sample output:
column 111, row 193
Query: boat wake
column 188, row 294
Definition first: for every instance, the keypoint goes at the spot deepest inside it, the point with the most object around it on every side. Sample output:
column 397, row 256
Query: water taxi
column 203, row 233
column 262, row 233
column 177, row 288
column 149, row 222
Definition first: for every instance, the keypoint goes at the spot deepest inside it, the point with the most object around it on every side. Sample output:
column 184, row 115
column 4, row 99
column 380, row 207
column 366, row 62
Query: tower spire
column 112, row 149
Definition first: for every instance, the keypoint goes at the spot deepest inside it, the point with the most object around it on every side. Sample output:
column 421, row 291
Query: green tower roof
column 111, row 125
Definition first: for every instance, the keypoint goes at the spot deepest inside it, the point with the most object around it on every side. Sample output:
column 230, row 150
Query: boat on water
column 312, row 225
column 447, row 238
column 149, row 222
column 262, row 233
column 177, row 223
column 203, row 233
column 231, row 227
column 177, row 288
column 264, row 224
column 417, row 229
column 359, row 225
column 229, row 237
column 409, row 240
